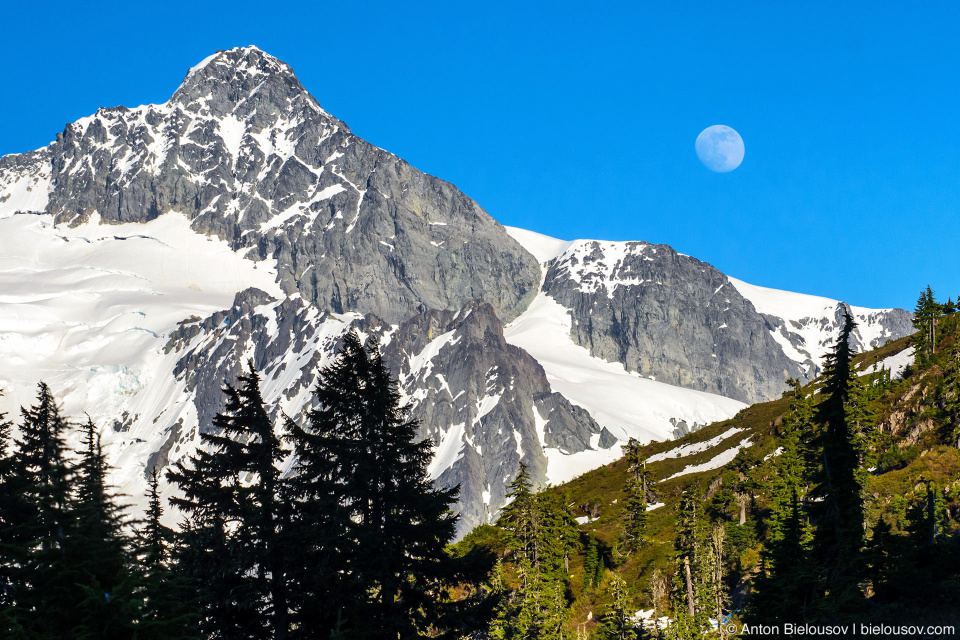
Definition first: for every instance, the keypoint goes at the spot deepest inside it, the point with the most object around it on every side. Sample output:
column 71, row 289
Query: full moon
column 720, row 148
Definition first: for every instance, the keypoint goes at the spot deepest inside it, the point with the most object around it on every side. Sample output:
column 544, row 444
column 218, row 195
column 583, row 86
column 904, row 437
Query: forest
column 840, row 507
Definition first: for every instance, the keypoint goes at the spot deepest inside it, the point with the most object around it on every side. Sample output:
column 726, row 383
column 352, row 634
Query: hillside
column 732, row 469
column 147, row 252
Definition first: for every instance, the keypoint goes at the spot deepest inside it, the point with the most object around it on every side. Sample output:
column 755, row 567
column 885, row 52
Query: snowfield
column 88, row 311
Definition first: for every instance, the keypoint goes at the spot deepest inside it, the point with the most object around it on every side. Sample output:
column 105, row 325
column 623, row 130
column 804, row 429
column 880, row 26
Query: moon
column 720, row 148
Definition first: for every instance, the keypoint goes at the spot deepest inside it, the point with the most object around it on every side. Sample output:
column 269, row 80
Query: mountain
column 147, row 253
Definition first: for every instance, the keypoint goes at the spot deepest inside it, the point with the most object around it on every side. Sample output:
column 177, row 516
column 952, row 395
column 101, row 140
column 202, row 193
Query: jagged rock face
column 485, row 403
column 670, row 317
column 874, row 329
column 246, row 153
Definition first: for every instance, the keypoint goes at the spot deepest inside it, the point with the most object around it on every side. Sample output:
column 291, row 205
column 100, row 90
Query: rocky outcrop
column 668, row 316
column 246, row 153
column 485, row 403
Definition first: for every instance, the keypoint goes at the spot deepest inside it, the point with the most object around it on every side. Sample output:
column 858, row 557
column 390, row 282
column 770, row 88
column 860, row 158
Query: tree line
column 330, row 530
column 809, row 534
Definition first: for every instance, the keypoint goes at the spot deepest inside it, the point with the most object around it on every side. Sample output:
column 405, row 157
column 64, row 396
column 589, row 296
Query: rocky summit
column 148, row 253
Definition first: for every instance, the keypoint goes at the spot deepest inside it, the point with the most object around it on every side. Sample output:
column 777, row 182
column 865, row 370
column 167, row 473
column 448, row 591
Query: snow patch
column 722, row 458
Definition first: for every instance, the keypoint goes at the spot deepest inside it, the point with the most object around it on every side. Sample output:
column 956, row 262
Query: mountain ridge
column 240, row 220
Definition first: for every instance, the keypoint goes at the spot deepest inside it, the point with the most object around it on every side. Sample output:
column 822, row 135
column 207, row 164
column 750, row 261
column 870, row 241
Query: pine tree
column 617, row 622
column 231, row 544
column 13, row 512
column 690, row 615
column 521, row 517
column 839, row 486
column 359, row 458
column 166, row 602
column 591, row 562
column 635, row 525
column 96, row 554
column 925, row 319
column 43, row 588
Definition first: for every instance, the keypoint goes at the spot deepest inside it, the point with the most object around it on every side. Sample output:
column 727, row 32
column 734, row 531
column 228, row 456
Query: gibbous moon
column 720, row 148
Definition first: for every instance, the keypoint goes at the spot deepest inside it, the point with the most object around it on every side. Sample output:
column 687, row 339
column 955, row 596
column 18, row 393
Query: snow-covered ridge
column 627, row 404
column 809, row 324
column 805, row 325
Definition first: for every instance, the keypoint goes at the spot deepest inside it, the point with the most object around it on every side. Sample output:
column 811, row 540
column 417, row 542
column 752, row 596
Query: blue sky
column 579, row 120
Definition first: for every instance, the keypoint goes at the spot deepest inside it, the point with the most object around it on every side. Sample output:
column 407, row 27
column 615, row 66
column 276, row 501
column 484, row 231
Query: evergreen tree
column 617, row 622
column 635, row 525
column 783, row 589
column 838, row 487
column 925, row 318
column 359, row 458
column 167, row 607
column 689, row 613
column 543, row 535
column 231, row 544
column 591, row 563
column 13, row 512
column 96, row 554
column 43, row 587
column 9, row 516
column 521, row 517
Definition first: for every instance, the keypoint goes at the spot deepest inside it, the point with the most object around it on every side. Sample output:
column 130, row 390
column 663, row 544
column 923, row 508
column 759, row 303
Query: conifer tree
column 521, row 518
column 41, row 473
column 617, row 622
column 635, row 525
column 96, row 554
column 230, row 545
column 838, row 487
column 10, row 515
column 591, row 563
column 359, row 459
column 690, row 616
column 167, row 604
column 925, row 318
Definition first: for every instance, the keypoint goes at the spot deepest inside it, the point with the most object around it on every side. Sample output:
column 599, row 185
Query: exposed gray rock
column 478, row 394
column 248, row 155
column 670, row 317
column 485, row 403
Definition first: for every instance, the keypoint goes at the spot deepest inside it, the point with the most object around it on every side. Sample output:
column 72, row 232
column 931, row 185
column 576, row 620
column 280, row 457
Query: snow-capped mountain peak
column 151, row 251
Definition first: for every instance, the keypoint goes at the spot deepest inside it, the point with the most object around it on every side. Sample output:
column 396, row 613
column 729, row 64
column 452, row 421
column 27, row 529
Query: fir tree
column 690, row 616
column 617, row 622
column 43, row 586
column 96, row 554
column 231, row 544
column 591, row 563
column 925, row 318
column 167, row 607
column 839, row 485
column 635, row 525
column 360, row 460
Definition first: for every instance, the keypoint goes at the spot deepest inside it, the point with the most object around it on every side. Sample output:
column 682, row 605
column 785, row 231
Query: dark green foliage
column 617, row 622
column 784, row 590
column 231, row 545
column 838, row 485
column 166, row 599
column 41, row 473
column 635, row 525
column 925, row 319
column 542, row 537
column 380, row 526
column 96, row 553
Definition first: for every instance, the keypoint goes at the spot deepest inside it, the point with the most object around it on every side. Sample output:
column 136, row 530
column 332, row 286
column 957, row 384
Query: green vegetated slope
column 907, row 435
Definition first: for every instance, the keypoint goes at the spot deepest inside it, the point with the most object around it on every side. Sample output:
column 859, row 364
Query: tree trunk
column 686, row 569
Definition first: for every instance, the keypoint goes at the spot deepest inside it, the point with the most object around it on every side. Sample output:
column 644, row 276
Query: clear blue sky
column 578, row 120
